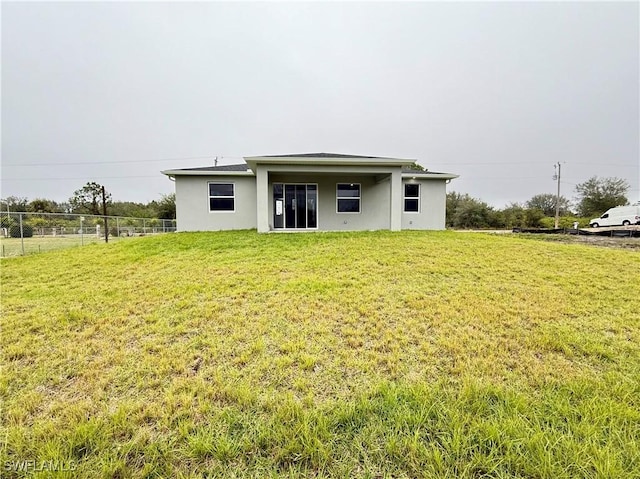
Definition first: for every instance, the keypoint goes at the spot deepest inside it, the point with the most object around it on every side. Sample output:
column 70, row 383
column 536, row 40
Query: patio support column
column 395, row 223
column 262, row 199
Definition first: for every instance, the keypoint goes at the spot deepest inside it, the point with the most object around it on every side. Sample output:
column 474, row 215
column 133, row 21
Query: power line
column 527, row 163
column 221, row 157
column 497, row 178
column 90, row 177
column 109, row 162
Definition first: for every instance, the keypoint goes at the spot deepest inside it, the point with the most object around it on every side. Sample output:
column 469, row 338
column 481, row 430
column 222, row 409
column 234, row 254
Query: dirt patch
column 602, row 241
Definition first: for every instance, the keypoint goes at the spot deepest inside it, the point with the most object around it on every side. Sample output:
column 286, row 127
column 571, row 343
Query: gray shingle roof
column 245, row 167
column 420, row 172
column 238, row 167
column 320, row 155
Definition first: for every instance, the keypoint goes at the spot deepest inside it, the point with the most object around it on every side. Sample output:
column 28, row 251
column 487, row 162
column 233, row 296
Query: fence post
column 118, row 226
column 21, row 235
column 104, row 213
column 144, row 226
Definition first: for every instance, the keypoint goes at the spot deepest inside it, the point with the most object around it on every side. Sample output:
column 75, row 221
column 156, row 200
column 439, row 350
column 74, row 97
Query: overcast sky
column 494, row 92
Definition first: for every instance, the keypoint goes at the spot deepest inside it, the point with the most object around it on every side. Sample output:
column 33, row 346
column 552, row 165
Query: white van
column 620, row 215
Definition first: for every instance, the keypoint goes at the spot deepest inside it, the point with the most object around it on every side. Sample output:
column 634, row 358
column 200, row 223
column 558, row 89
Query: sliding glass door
column 295, row 206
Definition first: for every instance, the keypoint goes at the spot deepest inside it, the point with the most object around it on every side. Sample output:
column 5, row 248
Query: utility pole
column 104, row 213
column 557, row 177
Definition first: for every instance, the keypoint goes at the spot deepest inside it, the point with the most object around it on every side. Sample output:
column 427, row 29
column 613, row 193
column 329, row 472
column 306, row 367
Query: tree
column 533, row 217
column 514, row 215
column 463, row 211
column 88, row 199
column 167, row 207
column 65, row 207
column 15, row 203
column 41, row 205
column 453, row 201
column 129, row 208
column 415, row 166
column 547, row 203
column 597, row 195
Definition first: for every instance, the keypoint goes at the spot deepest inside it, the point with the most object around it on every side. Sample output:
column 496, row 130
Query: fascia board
column 330, row 169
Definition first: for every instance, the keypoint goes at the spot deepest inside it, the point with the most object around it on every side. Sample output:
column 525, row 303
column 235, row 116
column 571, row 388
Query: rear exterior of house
column 315, row 192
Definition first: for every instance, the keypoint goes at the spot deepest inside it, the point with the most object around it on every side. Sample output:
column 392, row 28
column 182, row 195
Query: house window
column 222, row 197
column 411, row 198
column 348, row 197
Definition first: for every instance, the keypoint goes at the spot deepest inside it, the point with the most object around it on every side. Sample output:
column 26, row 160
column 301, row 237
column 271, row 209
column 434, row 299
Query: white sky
column 495, row 92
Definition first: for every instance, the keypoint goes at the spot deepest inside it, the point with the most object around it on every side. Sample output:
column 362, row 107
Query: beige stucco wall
column 192, row 204
column 433, row 203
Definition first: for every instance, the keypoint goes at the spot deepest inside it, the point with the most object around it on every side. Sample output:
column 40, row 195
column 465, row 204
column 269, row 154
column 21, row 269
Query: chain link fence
column 24, row 233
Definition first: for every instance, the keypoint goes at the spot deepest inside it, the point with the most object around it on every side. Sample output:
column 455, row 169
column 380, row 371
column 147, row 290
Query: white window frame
column 359, row 198
column 209, row 196
column 405, row 197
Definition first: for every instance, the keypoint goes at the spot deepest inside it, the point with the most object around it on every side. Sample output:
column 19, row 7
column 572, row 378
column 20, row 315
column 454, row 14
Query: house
column 317, row 191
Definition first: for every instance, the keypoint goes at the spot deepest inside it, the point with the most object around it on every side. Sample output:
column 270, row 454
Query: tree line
column 593, row 197
column 91, row 199
column 88, row 200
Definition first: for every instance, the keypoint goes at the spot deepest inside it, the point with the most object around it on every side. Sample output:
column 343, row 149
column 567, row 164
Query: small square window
column 348, row 198
column 222, row 197
column 411, row 205
column 411, row 190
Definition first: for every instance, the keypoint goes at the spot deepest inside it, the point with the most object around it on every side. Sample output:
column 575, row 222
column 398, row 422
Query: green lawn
column 39, row 244
column 413, row 354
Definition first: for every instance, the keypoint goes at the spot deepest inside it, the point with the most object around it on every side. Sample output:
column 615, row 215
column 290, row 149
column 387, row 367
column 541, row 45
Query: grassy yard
column 39, row 244
column 322, row 355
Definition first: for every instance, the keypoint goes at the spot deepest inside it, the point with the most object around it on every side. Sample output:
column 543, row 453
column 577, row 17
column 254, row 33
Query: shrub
column 565, row 222
column 27, row 231
column 533, row 217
